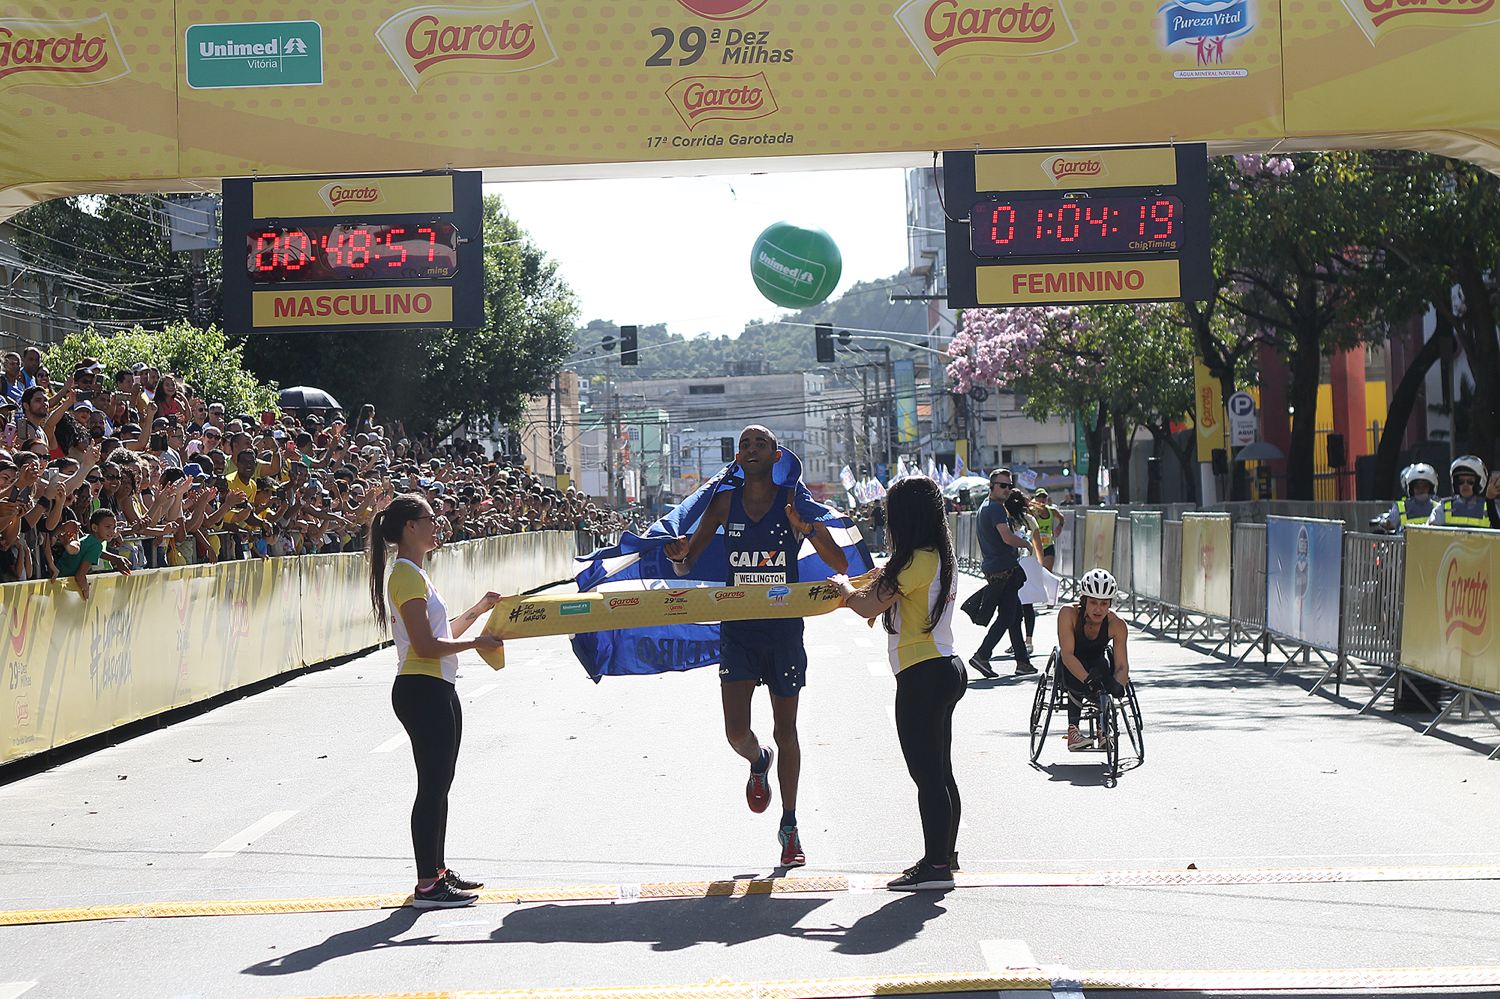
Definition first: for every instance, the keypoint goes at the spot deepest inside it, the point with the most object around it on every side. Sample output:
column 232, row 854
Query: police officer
column 1467, row 507
column 1419, row 482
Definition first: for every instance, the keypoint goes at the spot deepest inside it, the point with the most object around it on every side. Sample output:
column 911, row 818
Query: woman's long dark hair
column 915, row 518
column 386, row 529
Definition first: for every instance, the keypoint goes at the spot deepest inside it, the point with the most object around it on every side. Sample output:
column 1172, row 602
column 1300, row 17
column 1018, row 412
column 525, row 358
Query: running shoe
column 459, row 882
column 1025, row 669
column 982, row 667
column 758, row 787
column 923, row 877
column 442, row 895
column 791, row 847
column 1077, row 742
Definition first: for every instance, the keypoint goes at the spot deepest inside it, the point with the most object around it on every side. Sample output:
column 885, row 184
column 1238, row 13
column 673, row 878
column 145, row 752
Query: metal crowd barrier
column 1122, row 556
column 1371, row 608
column 1065, row 544
column 1247, row 600
column 1171, row 569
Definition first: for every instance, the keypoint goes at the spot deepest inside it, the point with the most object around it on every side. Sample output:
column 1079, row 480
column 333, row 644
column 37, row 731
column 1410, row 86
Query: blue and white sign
column 1304, row 575
column 1205, row 27
column 1243, row 425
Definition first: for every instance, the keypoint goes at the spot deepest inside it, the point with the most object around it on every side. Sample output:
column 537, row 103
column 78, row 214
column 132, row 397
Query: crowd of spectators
column 134, row 469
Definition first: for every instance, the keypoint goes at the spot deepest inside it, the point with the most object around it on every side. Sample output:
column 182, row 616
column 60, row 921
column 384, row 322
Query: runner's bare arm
column 685, row 551
column 828, row 548
column 1118, row 632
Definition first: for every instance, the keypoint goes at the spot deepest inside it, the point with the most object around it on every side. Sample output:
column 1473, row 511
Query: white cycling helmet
column 1420, row 472
column 1469, row 463
column 1099, row 584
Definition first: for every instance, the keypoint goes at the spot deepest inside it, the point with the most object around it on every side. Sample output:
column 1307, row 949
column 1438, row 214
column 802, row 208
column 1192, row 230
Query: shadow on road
column 664, row 925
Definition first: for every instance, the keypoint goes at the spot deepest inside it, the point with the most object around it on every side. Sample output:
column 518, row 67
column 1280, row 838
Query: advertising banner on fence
column 1452, row 605
column 1304, row 578
column 1145, row 555
column 144, row 91
column 1098, row 542
column 1206, row 564
column 152, row 641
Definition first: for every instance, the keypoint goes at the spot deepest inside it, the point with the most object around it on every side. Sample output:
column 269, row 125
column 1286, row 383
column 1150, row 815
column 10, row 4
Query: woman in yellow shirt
column 424, row 697
column 914, row 595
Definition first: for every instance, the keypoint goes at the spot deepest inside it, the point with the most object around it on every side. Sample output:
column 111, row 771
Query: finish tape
column 611, row 610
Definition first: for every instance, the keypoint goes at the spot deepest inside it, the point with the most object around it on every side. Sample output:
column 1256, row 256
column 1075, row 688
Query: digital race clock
column 351, row 253
column 1079, row 226
column 1080, row 223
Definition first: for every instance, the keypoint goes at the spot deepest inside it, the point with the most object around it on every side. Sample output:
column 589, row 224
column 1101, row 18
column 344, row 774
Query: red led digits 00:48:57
column 1037, row 227
column 351, row 251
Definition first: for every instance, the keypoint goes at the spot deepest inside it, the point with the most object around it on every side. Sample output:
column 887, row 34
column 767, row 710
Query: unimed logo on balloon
column 728, row 98
column 427, row 42
column 1378, row 18
column 946, row 30
column 76, row 53
column 1463, row 595
column 722, row 10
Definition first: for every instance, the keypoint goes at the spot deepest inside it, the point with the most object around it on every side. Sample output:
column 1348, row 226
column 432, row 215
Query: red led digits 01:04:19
column 1041, row 227
column 351, row 251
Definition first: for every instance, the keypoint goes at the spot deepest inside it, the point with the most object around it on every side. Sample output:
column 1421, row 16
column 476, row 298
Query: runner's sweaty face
column 758, row 450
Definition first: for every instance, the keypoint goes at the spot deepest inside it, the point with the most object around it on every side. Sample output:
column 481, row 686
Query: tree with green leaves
column 436, row 381
column 207, row 359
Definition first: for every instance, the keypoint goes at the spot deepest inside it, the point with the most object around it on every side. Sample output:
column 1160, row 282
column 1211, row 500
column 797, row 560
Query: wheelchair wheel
column 1131, row 718
column 1109, row 735
column 1041, row 708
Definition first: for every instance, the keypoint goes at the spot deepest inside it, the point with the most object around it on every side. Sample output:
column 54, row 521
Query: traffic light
column 726, row 448
column 607, row 344
column 844, row 338
column 823, row 334
column 628, row 355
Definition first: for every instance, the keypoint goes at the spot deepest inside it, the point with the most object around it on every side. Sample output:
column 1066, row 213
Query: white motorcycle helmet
column 1469, row 463
column 1420, row 472
column 1099, row 584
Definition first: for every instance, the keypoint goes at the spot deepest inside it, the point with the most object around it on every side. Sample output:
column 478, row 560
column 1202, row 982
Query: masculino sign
column 1304, row 576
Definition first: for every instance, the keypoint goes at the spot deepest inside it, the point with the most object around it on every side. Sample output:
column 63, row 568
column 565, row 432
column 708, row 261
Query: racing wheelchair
column 1102, row 720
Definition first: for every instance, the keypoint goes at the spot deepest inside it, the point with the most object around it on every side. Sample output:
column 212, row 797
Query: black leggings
column 1078, row 689
column 432, row 716
column 926, row 695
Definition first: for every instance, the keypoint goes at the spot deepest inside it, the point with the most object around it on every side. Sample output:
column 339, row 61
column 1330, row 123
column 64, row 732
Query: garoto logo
column 722, row 10
column 724, row 98
column 1377, row 18
column 426, row 42
column 60, row 53
column 945, row 30
column 1464, row 594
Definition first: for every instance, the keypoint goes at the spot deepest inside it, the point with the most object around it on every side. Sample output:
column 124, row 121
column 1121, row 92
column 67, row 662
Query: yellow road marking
column 1142, row 878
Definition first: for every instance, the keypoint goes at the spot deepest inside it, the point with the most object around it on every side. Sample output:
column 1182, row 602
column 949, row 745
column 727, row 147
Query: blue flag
column 639, row 562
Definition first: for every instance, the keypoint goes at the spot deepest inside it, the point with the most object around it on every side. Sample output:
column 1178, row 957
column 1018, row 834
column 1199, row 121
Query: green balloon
column 795, row 267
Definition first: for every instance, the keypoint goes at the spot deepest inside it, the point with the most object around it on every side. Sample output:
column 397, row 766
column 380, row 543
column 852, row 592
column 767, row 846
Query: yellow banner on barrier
column 1098, row 541
column 578, row 613
column 1206, row 539
column 1452, row 605
column 153, row 641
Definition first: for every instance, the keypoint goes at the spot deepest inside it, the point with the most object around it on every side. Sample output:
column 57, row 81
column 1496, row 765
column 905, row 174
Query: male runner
column 763, row 534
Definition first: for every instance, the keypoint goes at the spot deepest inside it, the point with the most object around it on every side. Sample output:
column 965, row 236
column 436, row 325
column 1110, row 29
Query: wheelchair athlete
column 1085, row 634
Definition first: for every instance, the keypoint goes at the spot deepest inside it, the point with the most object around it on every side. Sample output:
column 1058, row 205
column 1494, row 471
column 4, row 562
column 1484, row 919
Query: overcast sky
column 633, row 250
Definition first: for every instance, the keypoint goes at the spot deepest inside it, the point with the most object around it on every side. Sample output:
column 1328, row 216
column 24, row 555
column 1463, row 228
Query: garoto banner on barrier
column 1206, row 541
column 1145, row 555
column 1452, row 605
column 1304, row 575
column 1098, row 541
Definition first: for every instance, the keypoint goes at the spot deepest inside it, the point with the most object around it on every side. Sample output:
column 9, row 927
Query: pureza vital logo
column 427, row 42
column 75, row 53
column 946, row 30
column 1204, row 29
column 1378, row 18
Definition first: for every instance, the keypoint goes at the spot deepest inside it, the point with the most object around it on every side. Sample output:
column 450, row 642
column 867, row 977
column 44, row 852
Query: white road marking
column 488, row 688
column 241, row 840
column 392, row 744
column 14, row 990
column 1006, row 955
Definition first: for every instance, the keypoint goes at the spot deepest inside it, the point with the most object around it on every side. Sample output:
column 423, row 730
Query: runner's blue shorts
column 769, row 652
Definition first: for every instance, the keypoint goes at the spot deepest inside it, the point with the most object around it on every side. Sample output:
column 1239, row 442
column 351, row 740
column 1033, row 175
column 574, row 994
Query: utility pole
column 609, row 440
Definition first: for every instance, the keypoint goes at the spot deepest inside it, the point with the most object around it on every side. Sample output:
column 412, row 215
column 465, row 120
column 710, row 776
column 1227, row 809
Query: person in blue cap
column 763, row 533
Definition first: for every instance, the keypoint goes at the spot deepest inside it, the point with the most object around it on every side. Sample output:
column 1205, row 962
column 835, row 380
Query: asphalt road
column 303, row 791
